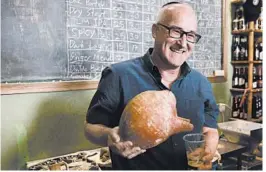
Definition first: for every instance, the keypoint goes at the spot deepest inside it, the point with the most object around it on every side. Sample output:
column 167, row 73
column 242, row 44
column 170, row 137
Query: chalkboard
column 46, row 40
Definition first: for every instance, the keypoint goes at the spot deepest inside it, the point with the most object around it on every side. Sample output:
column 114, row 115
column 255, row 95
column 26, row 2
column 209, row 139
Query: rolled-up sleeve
column 102, row 109
column 211, row 110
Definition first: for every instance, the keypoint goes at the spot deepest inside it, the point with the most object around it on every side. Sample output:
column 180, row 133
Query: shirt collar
column 185, row 69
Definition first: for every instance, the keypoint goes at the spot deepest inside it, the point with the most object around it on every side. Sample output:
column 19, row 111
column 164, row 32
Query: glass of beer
column 195, row 144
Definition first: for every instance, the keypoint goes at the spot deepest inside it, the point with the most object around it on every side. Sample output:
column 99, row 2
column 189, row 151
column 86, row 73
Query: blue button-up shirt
column 122, row 81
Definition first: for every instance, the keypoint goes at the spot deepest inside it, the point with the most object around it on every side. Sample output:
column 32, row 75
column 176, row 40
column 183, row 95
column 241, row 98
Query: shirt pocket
column 193, row 109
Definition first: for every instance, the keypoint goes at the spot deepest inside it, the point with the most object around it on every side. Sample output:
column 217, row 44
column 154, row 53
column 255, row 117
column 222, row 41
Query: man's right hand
column 125, row 149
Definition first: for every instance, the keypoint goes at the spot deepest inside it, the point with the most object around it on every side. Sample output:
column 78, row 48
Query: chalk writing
column 77, row 39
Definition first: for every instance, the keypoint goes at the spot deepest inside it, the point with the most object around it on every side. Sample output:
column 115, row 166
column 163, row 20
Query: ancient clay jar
column 150, row 118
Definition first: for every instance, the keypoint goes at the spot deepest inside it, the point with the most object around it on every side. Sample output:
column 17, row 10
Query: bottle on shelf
column 254, row 107
column 235, row 107
column 246, row 48
column 241, row 19
column 259, row 107
column 241, row 78
column 260, row 52
column 256, row 52
column 259, row 77
column 254, row 80
column 235, row 78
column 241, row 112
column 236, row 46
column 235, row 22
column 245, row 110
column 246, row 77
column 243, row 48
column 259, row 23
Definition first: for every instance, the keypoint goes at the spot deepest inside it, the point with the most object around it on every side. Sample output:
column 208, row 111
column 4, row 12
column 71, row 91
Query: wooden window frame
column 39, row 87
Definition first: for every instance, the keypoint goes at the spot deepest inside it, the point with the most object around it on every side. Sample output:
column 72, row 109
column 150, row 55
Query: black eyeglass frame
column 182, row 32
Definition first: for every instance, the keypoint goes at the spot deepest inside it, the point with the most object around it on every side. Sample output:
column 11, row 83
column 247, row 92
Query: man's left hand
column 207, row 160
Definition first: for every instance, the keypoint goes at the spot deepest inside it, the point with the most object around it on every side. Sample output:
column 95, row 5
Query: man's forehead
column 179, row 15
column 175, row 11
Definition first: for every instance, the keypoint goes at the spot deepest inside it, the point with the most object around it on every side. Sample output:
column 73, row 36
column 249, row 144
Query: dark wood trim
column 18, row 88
column 237, row 1
column 217, row 79
column 225, row 41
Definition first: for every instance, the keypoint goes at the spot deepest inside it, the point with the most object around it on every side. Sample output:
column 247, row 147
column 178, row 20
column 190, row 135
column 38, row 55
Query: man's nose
column 183, row 40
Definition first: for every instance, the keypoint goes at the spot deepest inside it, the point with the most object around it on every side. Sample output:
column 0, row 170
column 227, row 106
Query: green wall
column 37, row 126
column 42, row 125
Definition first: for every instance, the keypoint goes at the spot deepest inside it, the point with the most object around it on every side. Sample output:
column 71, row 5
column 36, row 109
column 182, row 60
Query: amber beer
column 195, row 144
column 195, row 160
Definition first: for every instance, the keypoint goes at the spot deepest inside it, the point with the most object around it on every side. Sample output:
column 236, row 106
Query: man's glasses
column 177, row 33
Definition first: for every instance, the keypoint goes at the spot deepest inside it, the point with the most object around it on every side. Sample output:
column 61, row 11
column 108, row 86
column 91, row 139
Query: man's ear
column 154, row 30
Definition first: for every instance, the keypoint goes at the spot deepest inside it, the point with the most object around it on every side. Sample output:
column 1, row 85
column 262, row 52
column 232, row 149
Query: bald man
column 162, row 67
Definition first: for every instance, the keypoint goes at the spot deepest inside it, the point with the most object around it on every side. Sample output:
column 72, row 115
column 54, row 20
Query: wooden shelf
column 241, row 31
column 240, row 62
column 257, row 62
column 246, row 62
column 237, row 90
column 257, row 90
column 258, row 30
column 252, row 119
column 251, row 34
column 246, row 31
column 237, row 1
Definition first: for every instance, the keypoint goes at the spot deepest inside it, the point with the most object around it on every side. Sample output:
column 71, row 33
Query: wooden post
column 250, row 67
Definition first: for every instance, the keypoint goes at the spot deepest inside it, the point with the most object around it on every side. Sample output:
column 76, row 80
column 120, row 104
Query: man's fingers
column 196, row 152
column 205, row 166
column 126, row 148
column 125, row 145
column 136, row 154
column 207, row 157
column 116, row 129
column 207, row 160
column 130, row 153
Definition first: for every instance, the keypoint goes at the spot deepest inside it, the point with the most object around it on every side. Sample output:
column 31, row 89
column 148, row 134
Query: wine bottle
column 246, row 77
column 242, row 52
column 253, row 115
column 234, row 45
column 235, row 108
column 241, row 19
column 245, row 105
column 258, row 23
column 236, row 52
column 259, row 77
column 256, row 52
column 241, row 79
column 235, row 22
column 235, row 79
column 254, row 80
column 260, row 52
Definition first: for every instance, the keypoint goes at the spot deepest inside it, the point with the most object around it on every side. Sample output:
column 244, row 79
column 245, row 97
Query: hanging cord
column 222, row 110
